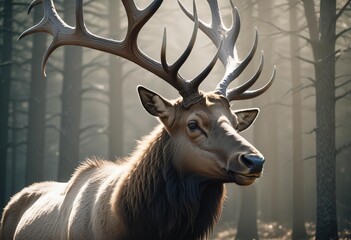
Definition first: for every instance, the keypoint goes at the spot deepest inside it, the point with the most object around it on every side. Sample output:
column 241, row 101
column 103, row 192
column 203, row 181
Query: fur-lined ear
column 246, row 118
column 154, row 103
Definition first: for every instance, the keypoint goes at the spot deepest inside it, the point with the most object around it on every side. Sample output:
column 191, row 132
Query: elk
column 172, row 186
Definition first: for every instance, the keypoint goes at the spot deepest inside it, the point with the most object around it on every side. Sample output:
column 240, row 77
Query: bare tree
column 71, row 104
column 5, row 67
column 265, row 12
column 36, row 114
column 323, row 38
column 247, row 224
column 116, row 88
column 298, row 225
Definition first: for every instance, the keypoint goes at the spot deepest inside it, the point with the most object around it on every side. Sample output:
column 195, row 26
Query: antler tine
column 174, row 68
column 187, row 89
column 33, row 4
column 177, row 81
column 234, row 69
column 174, row 81
column 195, row 83
column 177, row 65
column 138, row 18
column 216, row 31
column 242, row 88
column 216, row 14
column 252, row 94
column 50, row 23
column 80, row 25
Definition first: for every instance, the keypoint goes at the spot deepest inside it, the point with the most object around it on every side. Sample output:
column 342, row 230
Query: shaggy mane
column 159, row 200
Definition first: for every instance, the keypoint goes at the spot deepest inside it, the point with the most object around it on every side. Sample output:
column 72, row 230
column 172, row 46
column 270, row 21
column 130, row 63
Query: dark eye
column 193, row 126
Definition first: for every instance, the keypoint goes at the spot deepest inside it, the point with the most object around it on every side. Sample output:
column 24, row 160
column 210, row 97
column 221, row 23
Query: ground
column 270, row 231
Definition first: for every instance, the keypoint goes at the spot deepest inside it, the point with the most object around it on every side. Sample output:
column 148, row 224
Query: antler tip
column 262, row 55
column 40, row 27
column 163, row 49
column 43, row 66
column 25, row 34
column 164, row 37
column 20, row 36
column 43, row 69
column 33, row 4
column 43, row 72
column 271, row 80
column 274, row 71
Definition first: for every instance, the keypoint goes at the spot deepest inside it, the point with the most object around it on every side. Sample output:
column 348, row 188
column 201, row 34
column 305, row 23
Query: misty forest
column 87, row 106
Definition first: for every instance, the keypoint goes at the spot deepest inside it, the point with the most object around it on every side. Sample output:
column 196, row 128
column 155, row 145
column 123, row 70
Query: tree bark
column 116, row 88
column 71, row 103
column 247, row 224
column 323, row 45
column 326, row 227
column 37, row 105
column 298, row 224
column 4, row 96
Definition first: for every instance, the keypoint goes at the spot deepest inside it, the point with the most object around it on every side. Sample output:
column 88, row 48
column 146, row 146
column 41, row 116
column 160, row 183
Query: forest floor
column 271, row 231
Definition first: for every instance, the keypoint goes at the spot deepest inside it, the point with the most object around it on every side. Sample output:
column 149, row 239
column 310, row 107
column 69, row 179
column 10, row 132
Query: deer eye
column 193, row 126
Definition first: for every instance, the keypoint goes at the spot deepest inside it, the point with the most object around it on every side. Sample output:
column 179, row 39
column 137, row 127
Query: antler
column 63, row 34
column 218, row 33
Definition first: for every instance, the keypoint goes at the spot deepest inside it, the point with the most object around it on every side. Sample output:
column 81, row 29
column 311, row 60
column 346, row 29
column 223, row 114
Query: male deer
column 171, row 187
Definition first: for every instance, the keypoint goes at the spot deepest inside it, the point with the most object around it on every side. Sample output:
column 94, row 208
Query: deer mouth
column 241, row 178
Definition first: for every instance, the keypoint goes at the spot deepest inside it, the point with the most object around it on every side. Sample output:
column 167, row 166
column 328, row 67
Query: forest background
column 87, row 106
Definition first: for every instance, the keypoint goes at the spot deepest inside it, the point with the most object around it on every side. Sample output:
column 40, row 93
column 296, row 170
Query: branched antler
column 224, row 39
column 63, row 34
column 217, row 32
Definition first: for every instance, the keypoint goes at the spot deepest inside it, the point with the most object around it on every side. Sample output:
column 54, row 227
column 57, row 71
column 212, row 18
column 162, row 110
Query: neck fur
column 160, row 202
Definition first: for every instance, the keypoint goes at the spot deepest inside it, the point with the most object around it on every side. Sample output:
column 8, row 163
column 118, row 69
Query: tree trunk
column 247, row 224
column 326, row 227
column 272, row 163
column 37, row 105
column 247, row 221
column 267, row 117
column 14, row 140
column 4, row 96
column 323, row 45
column 71, row 103
column 298, row 224
column 116, row 88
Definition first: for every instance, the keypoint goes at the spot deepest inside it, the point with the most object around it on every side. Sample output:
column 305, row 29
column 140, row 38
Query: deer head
column 201, row 125
column 206, row 137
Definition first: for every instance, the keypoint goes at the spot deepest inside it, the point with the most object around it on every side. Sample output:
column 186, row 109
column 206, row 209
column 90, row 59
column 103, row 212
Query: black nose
column 253, row 162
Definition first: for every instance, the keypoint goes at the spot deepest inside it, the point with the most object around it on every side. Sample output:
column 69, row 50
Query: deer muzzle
column 244, row 169
column 253, row 162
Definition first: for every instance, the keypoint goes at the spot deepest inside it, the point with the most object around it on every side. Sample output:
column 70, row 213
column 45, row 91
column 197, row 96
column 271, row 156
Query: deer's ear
column 246, row 118
column 154, row 103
